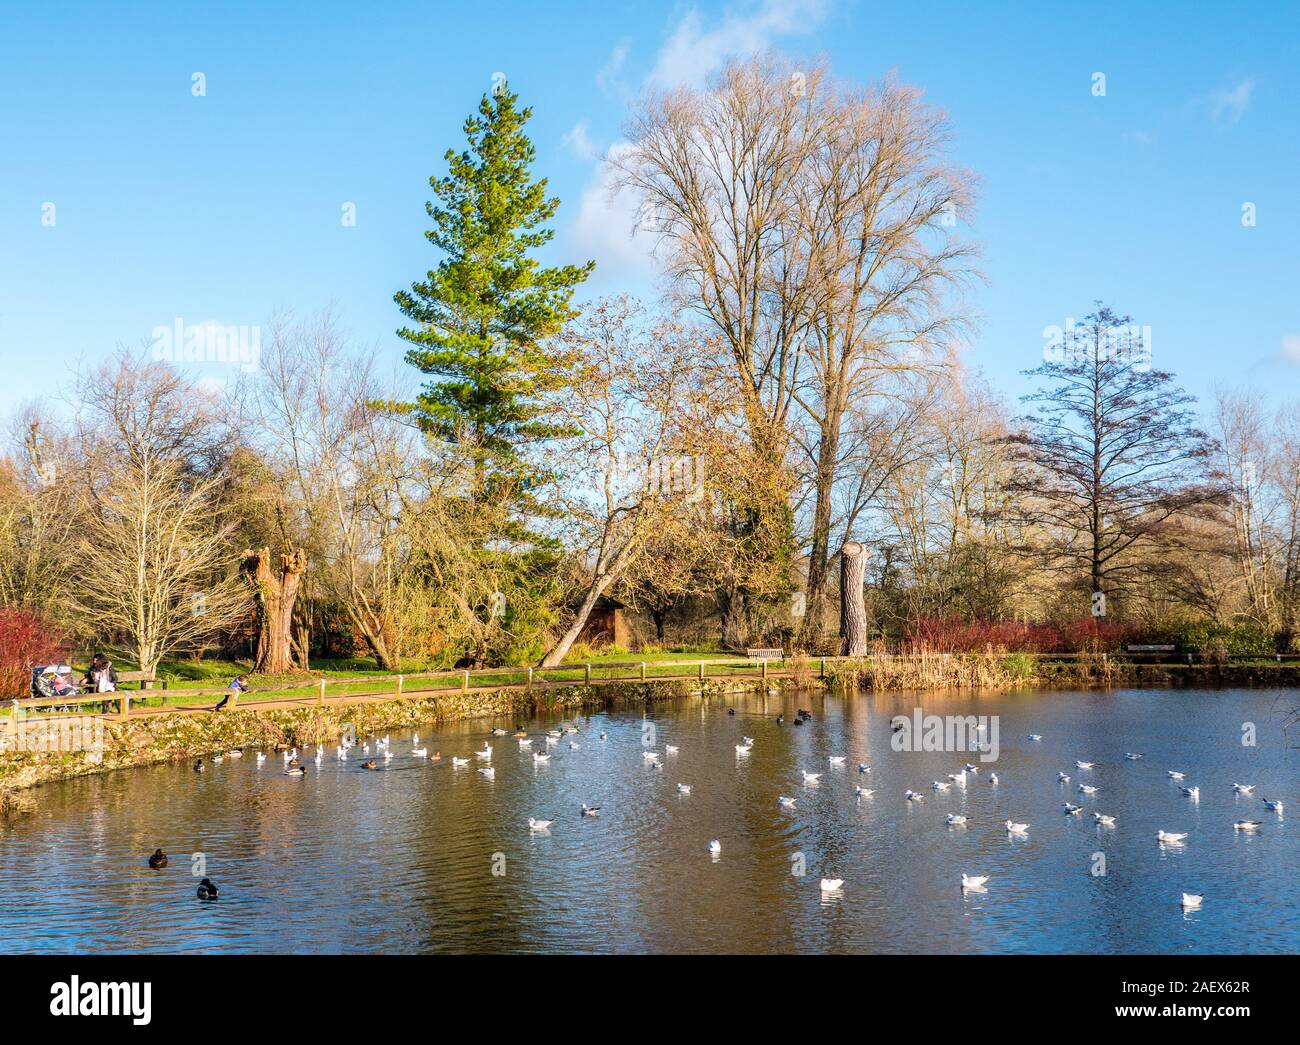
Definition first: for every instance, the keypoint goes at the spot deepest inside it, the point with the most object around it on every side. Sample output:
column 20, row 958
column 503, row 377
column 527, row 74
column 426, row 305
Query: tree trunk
column 658, row 615
column 735, row 618
column 819, row 557
column 853, row 604
column 275, row 592
column 558, row 651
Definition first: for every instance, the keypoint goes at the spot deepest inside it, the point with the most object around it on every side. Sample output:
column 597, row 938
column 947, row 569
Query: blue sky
column 227, row 206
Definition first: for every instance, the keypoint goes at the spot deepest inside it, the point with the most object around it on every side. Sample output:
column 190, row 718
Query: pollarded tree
column 1111, row 461
column 481, row 320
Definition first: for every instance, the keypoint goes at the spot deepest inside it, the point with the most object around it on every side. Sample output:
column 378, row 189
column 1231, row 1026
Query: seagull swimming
column 1170, row 837
column 836, row 760
column 1062, row 778
column 715, row 847
column 863, row 768
column 489, row 772
column 810, row 778
column 993, row 778
column 832, row 885
column 1191, row 792
column 1035, row 736
column 1243, row 789
column 1173, row 775
column 1072, row 810
column 1274, row 805
column 485, row 753
column 1191, row 900
column 863, row 792
column 538, row 825
column 973, row 881
column 1017, row 829
column 784, row 802
column 1132, row 756
column 1084, row 765
column 1088, row 789
column 458, row 762
column 913, row 796
column 590, row 810
column 956, row 820
column 1246, row 825
column 684, row 789
column 670, row 749
column 423, row 752
column 1104, row 820
column 938, row 786
column 540, row 759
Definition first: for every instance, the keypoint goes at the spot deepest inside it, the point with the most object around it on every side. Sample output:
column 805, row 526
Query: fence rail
column 315, row 690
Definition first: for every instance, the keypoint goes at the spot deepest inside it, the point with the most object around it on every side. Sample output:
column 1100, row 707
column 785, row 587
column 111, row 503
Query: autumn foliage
column 26, row 638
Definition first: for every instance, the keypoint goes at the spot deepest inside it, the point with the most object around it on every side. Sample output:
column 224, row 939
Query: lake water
column 403, row 859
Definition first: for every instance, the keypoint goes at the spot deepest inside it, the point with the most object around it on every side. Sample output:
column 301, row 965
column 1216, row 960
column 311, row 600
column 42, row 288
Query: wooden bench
column 765, row 654
column 1136, row 648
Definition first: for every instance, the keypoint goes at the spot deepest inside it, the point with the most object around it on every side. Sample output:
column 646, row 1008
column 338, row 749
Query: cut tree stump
column 853, row 603
column 274, row 590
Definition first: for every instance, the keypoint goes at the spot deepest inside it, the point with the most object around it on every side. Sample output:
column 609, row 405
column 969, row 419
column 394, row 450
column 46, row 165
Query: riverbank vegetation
column 552, row 475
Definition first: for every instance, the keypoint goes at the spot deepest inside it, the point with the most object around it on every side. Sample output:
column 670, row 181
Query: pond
column 422, row 856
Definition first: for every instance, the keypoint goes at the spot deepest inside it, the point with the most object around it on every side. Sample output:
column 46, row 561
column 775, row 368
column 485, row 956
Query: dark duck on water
column 159, row 859
column 206, row 890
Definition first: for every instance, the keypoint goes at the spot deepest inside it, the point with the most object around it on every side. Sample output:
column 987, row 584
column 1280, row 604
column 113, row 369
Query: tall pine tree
column 482, row 318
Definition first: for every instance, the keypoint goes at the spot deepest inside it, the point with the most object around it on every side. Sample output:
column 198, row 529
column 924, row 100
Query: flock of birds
column 383, row 749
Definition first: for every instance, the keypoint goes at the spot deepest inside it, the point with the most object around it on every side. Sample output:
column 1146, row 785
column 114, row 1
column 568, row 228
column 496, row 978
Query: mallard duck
column 371, row 764
column 159, row 859
column 198, row 765
column 206, row 890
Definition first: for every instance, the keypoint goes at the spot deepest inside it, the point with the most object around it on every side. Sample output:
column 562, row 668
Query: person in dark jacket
column 101, row 677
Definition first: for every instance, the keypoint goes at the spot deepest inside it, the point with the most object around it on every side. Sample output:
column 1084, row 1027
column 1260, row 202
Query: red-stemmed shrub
column 26, row 638
column 954, row 635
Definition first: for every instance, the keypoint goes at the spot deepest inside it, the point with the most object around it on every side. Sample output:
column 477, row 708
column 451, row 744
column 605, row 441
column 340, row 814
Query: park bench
column 765, row 654
column 1139, row 648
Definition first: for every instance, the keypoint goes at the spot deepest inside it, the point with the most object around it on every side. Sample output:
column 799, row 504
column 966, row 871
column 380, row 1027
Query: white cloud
column 579, row 142
column 606, row 225
column 1291, row 348
column 1228, row 105
column 694, row 49
column 607, row 79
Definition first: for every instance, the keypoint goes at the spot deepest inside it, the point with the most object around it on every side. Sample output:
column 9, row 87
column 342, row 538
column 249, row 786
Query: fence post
column 588, row 679
column 464, row 682
column 322, row 691
column 643, row 671
column 123, row 705
column 823, row 674
column 399, row 685
column 530, row 678
column 701, row 671
column 764, row 667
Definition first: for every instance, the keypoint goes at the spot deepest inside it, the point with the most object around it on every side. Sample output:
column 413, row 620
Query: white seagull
column 836, row 760
column 1072, row 810
column 1175, row 775
column 1016, row 829
column 1104, row 820
column 1274, row 805
column 1062, row 778
column 973, row 881
column 1088, row 789
column 538, row 825
column 810, row 778
column 1243, row 789
column 1191, row 901
column 715, row 847
column 863, row 792
column 1246, row 825
column 784, row 802
column 1170, row 837
column 955, row 820
column 684, row 789
column 1035, row 736
column 913, row 796
column 459, row 762
column 1191, row 792
column 489, row 772
column 1084, row 765
column 832, row 885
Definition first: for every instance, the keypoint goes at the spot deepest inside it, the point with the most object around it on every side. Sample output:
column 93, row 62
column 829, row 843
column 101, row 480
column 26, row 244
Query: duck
column 604, row 736
column 295, row 771
column 538, row 825
column 798, row 721
column 489, row 772
column 731, row 711
column 1192, row 900
column 370, row 764
column 810, row 778
column 235, row 753
column 973, row 881
column 158, row 859
column 1017, row 829
column 1191, row 792
column 863, row 792
column 863, row 768
column 206, row 890
column 1246, row 825
column 1273, row 805
column 785, row 802
column 458, row 762
column 1088, row 789
column 497, row 731
column 435, row 757
column 1170, row 837
column 198, row 765
column 555, row 734
column 1243, row 789
column 1072, row 810
column 1173, row 774
column 832, row 885
column 780, row 720
column 521, row 733
column 218, row 758
column 715, row 847
column 590, row 810
column 993, row 778
column 956, row 819
column 1104, row 819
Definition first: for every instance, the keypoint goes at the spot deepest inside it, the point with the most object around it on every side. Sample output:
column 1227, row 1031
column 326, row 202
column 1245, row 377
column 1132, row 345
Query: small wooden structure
column 606, row 625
